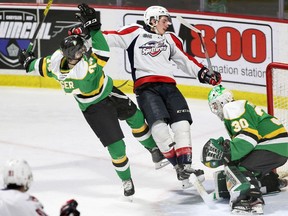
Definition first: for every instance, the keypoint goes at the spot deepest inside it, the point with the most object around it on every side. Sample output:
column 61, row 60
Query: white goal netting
column 277, row 98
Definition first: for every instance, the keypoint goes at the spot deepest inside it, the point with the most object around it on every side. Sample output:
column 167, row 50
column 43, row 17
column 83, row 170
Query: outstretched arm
column 190, row 65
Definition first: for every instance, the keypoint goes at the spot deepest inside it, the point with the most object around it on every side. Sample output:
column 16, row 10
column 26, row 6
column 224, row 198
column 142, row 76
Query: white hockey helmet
column 217, row 98
column 17, row 172
column 155, row 12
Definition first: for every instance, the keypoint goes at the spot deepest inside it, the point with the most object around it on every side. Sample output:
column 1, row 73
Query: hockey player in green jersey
column 258, row 144
column 78, row 67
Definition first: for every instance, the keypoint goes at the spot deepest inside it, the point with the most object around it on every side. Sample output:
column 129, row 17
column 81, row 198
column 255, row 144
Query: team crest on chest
column 153, row 48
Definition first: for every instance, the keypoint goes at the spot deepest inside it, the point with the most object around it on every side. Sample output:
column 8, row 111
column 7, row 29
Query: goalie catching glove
column 206, row 76
column 216, row 153
column 88, row 17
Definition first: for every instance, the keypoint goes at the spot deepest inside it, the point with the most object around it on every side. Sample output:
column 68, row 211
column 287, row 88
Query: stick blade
column 207, row 198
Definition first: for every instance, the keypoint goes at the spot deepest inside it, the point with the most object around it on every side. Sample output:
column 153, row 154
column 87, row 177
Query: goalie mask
column 17, row 172
column 217, row 98
column 73, row 47
column 155, row 12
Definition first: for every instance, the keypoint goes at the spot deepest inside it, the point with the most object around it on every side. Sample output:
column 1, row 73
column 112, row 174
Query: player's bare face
column 163, row 24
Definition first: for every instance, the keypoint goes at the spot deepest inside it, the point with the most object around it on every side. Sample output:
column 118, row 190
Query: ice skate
column 253, row 206
column 282, row 182
column 183, row 173
column 158, row 158
column 129, row 189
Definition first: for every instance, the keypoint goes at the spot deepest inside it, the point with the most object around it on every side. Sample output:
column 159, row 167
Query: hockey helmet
column 217, row 98
column 73, row 47
column 155, row 12
column 17, row 172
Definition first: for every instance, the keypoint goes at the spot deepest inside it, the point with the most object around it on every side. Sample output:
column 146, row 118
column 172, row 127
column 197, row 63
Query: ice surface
column 46, row 128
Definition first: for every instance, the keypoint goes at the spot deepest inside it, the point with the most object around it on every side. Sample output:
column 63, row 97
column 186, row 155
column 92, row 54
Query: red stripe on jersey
column 122, row 32
column 180, row 47
column 153, row 79
column 183, row 151
column 169, row 154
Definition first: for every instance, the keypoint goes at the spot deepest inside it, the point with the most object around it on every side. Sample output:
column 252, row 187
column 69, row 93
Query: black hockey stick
column 31, row 45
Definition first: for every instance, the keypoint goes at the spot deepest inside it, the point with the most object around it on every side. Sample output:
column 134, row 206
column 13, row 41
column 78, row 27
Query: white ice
column 46, row 128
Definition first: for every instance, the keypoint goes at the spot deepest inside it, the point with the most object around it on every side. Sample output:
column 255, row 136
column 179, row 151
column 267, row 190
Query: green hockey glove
column 216, row 153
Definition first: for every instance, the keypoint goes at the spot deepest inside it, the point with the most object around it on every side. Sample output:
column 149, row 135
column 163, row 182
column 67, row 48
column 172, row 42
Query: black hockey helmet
column 73, row 47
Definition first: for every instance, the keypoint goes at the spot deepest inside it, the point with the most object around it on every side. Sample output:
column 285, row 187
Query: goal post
column 277, row 98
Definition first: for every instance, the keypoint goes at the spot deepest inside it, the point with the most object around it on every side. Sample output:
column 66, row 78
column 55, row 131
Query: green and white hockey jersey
column 86, row 80
column 251, row 128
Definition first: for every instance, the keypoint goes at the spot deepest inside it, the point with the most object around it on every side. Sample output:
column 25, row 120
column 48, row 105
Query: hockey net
column 277, row 98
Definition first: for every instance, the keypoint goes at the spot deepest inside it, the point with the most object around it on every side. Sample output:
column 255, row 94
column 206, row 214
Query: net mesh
column 280, row 104
column 280, row 95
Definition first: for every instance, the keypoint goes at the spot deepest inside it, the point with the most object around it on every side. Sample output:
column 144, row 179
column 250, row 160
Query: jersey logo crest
column 153, row 48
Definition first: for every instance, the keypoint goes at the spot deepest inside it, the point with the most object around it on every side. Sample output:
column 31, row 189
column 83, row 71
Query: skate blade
column 161, row 164
column 128, row 198
column 256, row 210
column 239, row 212
column 186, row 184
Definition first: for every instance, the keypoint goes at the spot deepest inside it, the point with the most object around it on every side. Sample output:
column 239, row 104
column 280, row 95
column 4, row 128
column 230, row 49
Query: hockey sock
column 140, row 130
column 120, row 161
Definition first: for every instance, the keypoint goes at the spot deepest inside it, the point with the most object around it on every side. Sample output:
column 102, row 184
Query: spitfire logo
column 153, row 48
column 17, row 28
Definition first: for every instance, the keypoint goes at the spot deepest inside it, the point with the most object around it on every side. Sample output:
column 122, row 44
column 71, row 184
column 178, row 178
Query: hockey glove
column 216, row 153
column 25, row 58
column 69, row 208
column 88, row 18
column 79, row 30
column 205, row 76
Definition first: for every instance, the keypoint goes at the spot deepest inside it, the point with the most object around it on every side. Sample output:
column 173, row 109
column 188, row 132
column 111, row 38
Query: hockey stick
column 185, row 23
column 33, row 40
column 207, row 198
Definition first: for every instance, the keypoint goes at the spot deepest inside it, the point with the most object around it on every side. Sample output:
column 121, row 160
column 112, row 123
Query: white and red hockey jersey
column 16, row 203
column 152, row 56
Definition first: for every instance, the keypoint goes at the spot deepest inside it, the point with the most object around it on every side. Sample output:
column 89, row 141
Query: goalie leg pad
column 236, row 182
column 244, row 190
column 221, row 190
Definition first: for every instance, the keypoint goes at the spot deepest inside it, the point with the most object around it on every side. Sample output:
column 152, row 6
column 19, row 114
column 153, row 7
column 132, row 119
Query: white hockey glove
column 216, row 153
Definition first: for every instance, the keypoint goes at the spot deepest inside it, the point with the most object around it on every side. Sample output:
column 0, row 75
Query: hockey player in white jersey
column 14, row 199
column 152, row 52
